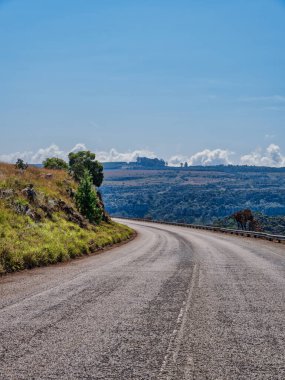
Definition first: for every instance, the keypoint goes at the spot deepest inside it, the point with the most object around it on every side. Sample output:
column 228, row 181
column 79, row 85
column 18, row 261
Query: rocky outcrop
column 30, row 193
column 72, row 215
column 6, row 193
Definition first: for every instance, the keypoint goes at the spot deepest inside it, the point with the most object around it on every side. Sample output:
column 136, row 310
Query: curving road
column 175, row 303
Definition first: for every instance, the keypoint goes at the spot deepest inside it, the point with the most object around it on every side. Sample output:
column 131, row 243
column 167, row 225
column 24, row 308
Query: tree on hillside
column 85, row 160
column 245, row 220
column 55, row 163
column 20, row 164
column 86, row 199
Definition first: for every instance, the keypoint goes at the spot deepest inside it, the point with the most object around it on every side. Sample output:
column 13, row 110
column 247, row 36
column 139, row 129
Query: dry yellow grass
column 11, row 176
column 26, row 242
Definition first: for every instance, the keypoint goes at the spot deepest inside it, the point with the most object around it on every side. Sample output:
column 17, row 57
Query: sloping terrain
column 39, row 223
column 196, row 195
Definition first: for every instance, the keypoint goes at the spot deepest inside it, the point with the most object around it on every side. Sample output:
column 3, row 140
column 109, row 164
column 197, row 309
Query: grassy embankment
column 48, row 229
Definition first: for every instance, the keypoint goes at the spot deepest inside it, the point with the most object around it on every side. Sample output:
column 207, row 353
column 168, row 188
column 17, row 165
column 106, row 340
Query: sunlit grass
column 25, row 243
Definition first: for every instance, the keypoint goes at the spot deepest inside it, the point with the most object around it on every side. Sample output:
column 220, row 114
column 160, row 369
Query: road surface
column 174, row 303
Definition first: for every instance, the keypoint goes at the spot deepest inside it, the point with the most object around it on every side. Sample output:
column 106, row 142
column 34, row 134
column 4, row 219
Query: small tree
column 85, row 160
column 87, row 201
column 244, row 219
column 55, row 163
column 20, row 164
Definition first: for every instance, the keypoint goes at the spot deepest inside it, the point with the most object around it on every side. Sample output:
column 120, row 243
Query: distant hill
column 140, row 163
column 143, row 163
column 194, row 194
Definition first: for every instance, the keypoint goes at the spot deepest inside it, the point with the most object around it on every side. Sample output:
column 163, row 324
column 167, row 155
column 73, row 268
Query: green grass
column 25, row 243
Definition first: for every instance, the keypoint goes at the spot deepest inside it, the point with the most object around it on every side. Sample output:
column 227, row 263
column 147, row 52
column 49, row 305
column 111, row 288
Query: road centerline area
column 169, row 363
column 172, row 304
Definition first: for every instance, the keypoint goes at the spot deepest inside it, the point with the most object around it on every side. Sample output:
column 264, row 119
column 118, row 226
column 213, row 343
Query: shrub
column 87, row 200
column 85, row 160
column 55, row 163
column 20, row 164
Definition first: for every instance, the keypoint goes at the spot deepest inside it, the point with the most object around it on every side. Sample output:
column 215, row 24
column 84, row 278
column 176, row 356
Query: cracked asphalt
column 174, row 303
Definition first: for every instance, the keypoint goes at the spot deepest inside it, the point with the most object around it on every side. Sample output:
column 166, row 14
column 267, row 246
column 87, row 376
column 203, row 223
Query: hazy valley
column 196, row 194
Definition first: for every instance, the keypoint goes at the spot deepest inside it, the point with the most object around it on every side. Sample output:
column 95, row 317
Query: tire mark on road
column 168, row 368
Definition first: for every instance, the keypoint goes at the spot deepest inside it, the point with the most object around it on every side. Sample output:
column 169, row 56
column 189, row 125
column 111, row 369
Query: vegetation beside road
column 271, row 224
column 39, row 222
column 196, row 195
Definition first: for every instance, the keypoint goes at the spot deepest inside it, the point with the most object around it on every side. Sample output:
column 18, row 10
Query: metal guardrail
column 251, row 234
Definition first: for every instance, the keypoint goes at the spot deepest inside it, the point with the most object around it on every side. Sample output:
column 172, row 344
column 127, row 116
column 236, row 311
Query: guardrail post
column 256, row 235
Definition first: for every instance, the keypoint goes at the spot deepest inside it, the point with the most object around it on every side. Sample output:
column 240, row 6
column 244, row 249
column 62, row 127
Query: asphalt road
column 175, row 303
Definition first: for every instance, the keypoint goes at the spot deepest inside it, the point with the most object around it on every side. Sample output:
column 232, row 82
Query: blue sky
column 169, row 77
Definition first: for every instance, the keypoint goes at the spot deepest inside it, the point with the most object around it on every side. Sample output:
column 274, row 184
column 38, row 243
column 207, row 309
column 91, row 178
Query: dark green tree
column 86, row 160
column 55, row 163
column 86, row 199
column 20, row 164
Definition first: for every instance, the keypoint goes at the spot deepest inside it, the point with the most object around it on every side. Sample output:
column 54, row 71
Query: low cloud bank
column 39, row 156
column 54, row 151
column 114, row 156
column 206, row 157
column 272, row 156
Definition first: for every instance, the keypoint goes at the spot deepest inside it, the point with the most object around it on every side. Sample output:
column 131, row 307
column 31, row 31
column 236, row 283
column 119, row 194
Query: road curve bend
column 174, row 303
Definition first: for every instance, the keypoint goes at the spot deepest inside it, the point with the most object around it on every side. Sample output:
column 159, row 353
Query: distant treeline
column 196, row 194
column 155, row 163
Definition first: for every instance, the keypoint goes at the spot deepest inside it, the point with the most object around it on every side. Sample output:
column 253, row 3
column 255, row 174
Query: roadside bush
column 87, row 201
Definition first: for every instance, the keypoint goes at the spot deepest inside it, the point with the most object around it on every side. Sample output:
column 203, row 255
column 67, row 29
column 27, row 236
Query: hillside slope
column 39, row 224
column 193, row 195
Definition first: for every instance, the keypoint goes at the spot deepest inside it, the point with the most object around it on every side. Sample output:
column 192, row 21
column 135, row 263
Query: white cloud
column 78, row 147
column 12, row 157
column 205, row 158
column 114, row 156
column 39, row 156
column 43, row 153
column 211, row 157
column 54, row 151
column 271, row 157
column 176, row 160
